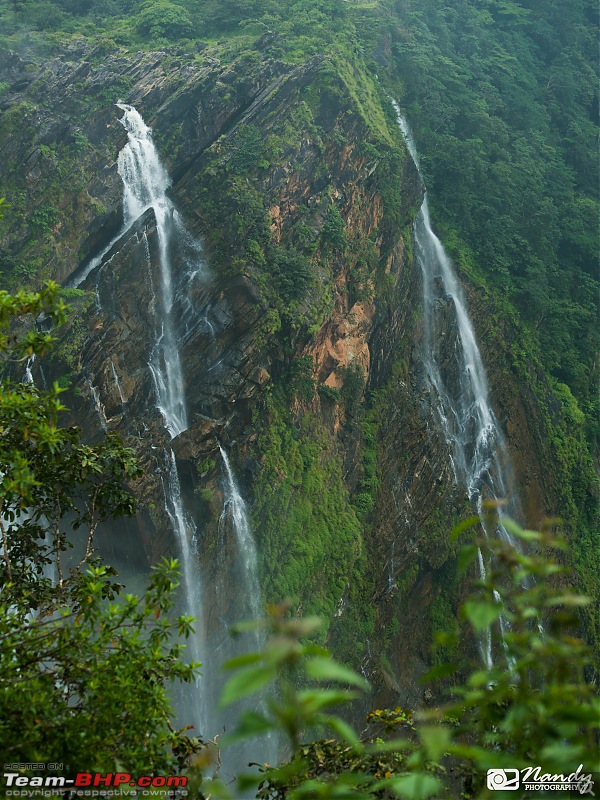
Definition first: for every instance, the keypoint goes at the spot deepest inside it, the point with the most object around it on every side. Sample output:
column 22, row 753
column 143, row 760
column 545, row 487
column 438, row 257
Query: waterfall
column 234, row 507
column 239, row 567
column 28, row 377
column 231, row 591
column 185, row 531
column 478, row 450
column 145, row 183
column 117, row 383
column 98, row 405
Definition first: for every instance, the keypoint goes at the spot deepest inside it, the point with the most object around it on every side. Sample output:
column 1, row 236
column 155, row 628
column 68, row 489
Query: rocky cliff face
column 300, row 355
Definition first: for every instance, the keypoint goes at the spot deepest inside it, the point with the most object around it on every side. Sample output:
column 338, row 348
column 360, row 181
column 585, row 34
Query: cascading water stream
column 185, row 531
column 145, row 184
column 98, row 405
column 117, row 383
column 478, row 449
column 28, row 378
column 234, row 525
column 234, row 507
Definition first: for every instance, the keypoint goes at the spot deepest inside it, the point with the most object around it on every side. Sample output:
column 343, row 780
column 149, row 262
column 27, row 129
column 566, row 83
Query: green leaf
column 242, row 661
column 562, row 753
column 481, row 613
column 245, row 682
column 246, row 626
column 326, row 669
column 516, row 530
column 307, row 626
column 312, row 649
column 463, row 526
column 342, row 728
column 416, row 786
column 435, row 738
column 250, row 724
column 391, row 746
column 479, row 679
column 568, row 600
column 316, row 699
column 246, row 781
column 467, row 555
column 343, row 787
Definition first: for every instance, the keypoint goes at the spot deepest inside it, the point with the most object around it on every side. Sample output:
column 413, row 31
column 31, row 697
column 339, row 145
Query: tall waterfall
column 176, row 318
column 145, row 183
column 478, row 450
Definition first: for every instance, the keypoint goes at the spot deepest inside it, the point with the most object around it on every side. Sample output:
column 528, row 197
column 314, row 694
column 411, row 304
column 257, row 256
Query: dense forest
column 286, row 173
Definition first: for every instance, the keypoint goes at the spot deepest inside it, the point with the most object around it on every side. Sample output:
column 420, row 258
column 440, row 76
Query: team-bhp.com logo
column 89, row 780
column 533, row 779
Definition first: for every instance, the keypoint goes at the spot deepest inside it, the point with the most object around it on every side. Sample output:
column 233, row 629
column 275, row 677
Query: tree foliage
column 83, row 674
column 161, row 19
column 51, row 481
column 532, row 706
column 83, row 668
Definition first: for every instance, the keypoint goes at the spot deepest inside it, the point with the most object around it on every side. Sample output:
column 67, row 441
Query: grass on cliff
column 310, row 537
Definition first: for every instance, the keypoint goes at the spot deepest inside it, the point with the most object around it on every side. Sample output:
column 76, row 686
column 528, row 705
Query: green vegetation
column 66, row 354
column 333, row 234
column 47, row 200
column 501, row 95
column 306, row 27
column 164, row 20
column 73, row 645
column 309, row 534
column 364, row 500
column 541, row 711
column 565, row 431
column 74, row 648
column 312, row 530
column 502, row 99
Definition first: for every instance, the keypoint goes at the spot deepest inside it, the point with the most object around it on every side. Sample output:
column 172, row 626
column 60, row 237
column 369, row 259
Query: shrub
column 162, row 19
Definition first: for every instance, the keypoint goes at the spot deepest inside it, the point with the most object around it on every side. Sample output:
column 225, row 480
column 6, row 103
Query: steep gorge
column 305, row 363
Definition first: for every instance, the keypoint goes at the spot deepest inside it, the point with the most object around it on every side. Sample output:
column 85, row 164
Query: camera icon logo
column 506, row 780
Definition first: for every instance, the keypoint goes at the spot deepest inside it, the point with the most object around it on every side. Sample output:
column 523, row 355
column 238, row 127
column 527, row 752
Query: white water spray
column 28, row 377
column 248, row 600
column 117, row 383
column 185, row 531
column 98, row 406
